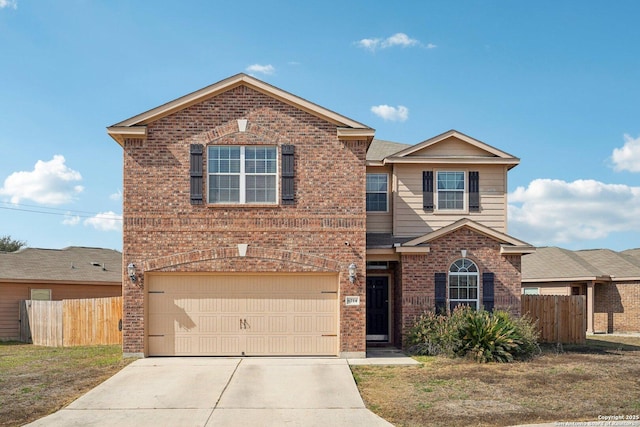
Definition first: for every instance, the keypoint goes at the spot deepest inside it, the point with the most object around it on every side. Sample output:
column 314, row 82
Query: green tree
column 7, row 244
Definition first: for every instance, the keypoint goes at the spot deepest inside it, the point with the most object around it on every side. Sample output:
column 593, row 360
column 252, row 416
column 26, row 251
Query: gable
column 509, row 245
column 453, row 147
column 136, row 126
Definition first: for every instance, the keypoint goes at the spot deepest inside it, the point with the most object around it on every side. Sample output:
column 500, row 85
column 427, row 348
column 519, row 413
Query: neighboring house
column 259, row 223
column 54, row 274
column 610, row 281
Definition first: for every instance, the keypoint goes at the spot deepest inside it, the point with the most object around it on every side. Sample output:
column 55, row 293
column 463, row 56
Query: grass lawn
column 574, row 383
column 36, row 381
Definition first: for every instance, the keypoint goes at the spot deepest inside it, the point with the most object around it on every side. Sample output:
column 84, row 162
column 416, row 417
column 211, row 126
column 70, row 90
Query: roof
column 510, row 245
column 72, row 264
column 486, row 154
column 380, row 149
column 135, row 127
column 557, row 264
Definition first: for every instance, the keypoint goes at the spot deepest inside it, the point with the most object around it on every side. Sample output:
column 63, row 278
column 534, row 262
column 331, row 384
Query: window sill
column 245, row 205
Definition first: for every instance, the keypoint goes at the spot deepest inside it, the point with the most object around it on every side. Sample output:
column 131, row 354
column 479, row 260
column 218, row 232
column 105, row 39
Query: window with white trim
column 463, row 283
column 241, row 174
column 377, row 192
column 450, row 190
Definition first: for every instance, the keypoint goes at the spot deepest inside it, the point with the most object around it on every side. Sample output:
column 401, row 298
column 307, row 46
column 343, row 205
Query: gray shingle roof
column 72, row 264
column 380, row 149
column 552, row 263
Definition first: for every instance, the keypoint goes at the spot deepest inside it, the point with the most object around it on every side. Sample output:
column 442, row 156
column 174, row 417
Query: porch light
column 352, row 272
column 131, row 270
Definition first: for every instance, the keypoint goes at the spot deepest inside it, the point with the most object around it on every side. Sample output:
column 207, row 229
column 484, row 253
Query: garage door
column 234, row 315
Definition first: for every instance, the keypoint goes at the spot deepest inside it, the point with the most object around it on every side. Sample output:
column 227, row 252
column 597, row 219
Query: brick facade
column 163, row 231
column 418, row 271
column 617, row 307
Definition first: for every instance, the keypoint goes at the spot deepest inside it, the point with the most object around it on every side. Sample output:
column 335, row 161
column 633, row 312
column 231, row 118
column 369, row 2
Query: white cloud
column 398, row 39
column 116, row 196
column 550, row 212
column 628, row 156
column 105, row 221
column 394, row 114
column 369, row 44
column 9, row 3
column 262, row 69
column 70, row 219
column 50, row 182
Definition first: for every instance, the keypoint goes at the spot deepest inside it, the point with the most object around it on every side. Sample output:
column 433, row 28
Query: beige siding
column 412, row 220
column 12, row 293
column 551, row 288
column 381, row 222
column 449, row 147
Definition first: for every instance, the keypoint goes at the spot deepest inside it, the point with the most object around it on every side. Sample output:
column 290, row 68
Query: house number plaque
column 355, row 300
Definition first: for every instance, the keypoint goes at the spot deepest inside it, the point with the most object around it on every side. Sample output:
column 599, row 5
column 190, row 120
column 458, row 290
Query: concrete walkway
column 227, row 392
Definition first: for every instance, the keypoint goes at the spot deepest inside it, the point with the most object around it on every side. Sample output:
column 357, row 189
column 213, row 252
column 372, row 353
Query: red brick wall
column 617, row 307
column 418, row 287
column 159, row 220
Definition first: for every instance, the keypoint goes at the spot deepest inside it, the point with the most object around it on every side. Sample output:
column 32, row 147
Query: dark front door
column 377, row 309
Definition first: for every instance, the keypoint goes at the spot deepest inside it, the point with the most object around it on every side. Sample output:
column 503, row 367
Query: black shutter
column 474, row 191
column 288, row 173
column 195, row 173
column 427, row 190
column 487, row 291
column 441, row 292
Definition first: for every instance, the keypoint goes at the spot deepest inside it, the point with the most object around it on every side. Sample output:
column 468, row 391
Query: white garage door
column 239, row 314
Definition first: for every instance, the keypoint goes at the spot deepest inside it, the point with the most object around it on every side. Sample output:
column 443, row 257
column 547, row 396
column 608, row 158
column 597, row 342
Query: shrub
column 480, row 335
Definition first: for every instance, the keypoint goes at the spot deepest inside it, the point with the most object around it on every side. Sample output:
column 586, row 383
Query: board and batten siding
column 382, row 222
column 410, row 219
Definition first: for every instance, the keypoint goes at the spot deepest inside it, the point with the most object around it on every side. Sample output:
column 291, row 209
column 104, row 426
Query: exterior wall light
column 352, row 272
column 131, row 271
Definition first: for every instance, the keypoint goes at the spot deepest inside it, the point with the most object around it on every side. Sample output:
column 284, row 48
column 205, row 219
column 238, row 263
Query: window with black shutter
column 487, row 291
column 195, row 173
column 427, row 191
column 441, row 292
column 288, row 174
column 474, row 191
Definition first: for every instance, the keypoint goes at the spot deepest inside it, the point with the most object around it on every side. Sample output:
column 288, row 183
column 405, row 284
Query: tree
column 7, row 244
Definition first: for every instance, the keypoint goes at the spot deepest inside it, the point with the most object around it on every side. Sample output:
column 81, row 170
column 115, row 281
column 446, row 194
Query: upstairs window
column 377, row 191
column 242, row 175
column 451, row 190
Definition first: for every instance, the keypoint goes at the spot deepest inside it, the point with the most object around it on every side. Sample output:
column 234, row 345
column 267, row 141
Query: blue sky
column 553, row 83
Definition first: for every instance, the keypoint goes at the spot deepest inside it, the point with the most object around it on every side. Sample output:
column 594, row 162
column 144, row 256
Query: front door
column 377, row 309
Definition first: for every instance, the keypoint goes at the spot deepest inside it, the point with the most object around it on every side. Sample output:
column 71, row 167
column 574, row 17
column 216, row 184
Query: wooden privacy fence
column 560, row 318
column 71, row 322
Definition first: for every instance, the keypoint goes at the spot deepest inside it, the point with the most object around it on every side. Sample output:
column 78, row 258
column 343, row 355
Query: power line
column 62, row 212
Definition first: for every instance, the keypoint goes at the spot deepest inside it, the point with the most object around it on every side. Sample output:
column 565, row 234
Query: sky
column 554, row 83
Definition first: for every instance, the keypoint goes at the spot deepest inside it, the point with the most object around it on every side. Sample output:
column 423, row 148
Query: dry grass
column 36, row 381
column 574, row 383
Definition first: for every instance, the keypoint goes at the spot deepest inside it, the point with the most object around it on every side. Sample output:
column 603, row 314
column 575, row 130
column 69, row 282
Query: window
column 531, row 291
column 41, row 294
column 239, row 174
column 450, row 190
column 377, row 187
column 463, row 284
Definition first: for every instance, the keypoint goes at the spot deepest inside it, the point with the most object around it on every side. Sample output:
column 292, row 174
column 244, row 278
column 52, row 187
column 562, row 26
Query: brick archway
column 312, row 262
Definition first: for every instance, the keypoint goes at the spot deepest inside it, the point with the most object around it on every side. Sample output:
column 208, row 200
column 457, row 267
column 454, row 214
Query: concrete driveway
column 222, row 392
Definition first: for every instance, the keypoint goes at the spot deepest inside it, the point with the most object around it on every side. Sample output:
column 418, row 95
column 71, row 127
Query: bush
column 480, row 335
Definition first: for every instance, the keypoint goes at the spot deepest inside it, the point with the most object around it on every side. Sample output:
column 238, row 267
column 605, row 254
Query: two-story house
column 259, row 223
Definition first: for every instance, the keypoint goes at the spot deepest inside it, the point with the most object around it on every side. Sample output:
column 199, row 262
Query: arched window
column 463, row 283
